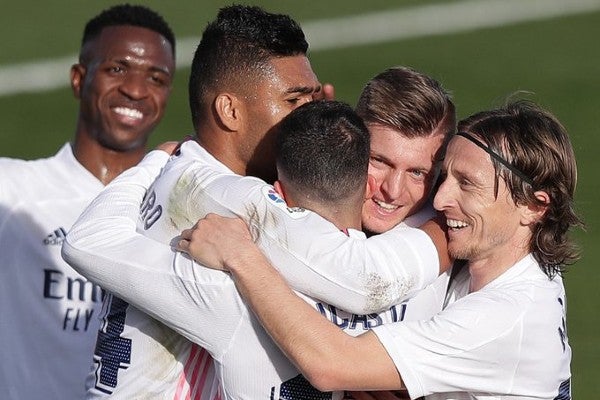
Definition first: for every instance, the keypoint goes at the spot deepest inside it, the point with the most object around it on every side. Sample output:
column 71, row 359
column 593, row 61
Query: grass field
column 557, row 60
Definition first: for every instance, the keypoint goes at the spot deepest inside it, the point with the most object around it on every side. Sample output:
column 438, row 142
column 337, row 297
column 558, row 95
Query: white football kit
column 48, row 312
column 430, row 300
column 204, row 305
column 507, row 340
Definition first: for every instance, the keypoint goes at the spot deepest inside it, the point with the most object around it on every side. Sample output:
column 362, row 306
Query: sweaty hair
column 127, row 14
column 235, row 48
column 322, row 148
column 534, row 143
column 407, row 101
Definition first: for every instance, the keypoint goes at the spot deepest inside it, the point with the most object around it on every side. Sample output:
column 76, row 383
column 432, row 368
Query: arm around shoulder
column 329, row 358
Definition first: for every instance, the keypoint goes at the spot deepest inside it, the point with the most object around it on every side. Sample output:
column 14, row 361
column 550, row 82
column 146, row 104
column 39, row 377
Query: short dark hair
column 407, row 101
column 234, row 49
column 127, row 14
column 534, row 143
column 322, row 148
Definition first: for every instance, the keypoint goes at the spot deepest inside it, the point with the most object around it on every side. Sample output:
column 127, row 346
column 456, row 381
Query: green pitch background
column 557, row 60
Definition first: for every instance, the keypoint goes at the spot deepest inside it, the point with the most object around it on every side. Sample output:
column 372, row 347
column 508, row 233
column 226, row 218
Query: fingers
column 183, row 245
column 328, row 91
column 212, row 228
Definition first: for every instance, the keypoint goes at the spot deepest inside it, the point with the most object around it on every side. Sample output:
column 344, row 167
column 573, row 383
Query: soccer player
column 334, row 187
column 250, row 70
column 50, row 313
column 507, row 195
column 410, row 118
column 387, row 288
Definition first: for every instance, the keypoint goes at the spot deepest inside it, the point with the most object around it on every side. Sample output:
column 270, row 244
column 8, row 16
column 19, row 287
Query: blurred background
column 481, row 50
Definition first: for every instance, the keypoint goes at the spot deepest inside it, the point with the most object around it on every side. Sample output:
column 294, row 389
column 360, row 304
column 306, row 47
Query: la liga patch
column 274, row 198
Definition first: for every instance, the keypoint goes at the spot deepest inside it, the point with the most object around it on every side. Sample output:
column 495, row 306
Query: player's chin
column 376, row 224
column 127, row 141
column 376, row 221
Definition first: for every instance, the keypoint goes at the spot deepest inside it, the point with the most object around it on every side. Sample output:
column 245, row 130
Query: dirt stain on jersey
column 177, row 209
column 265, row 222
column 382, row 292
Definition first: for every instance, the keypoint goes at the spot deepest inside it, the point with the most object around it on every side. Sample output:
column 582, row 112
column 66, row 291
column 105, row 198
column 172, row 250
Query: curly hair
column 535, row 144
column 126, row 14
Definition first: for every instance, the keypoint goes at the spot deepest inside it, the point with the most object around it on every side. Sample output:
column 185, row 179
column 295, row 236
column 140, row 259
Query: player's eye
column 159, row 80
column 116, row 69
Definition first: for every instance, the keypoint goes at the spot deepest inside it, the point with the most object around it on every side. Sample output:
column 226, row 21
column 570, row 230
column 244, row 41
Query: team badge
column 275, row 199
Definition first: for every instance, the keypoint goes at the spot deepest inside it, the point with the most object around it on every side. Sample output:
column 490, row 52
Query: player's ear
column 229, row 111
column 532, row 213
column 279, row 189
column 77, row 76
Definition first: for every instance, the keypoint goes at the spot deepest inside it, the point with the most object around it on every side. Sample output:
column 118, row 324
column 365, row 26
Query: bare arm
column 436, row 230
column 329, row 358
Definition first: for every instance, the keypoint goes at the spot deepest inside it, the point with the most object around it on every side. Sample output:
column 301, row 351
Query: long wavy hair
column 535, row 143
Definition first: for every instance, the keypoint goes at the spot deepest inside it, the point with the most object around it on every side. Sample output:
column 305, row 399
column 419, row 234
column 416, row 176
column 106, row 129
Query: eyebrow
column 388, row 160
column 304, row 89
column 162, row 70
column 128, row 63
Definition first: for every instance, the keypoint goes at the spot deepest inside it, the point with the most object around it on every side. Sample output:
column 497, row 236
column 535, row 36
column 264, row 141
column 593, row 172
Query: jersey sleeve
column 472, row 346
column 358, row 275
column 157, row 280
column 355, row 274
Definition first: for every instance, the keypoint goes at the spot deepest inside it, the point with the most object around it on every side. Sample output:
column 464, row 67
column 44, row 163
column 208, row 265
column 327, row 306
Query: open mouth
column 386, row 206
column 456, row 224
column 129, row 112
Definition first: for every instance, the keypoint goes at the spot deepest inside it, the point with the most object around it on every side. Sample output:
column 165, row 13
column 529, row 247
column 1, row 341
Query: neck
column 104, row 163
column 343, row 216
column 220, row 150
column 484, row 270
column 223, row 146
column 342, row 219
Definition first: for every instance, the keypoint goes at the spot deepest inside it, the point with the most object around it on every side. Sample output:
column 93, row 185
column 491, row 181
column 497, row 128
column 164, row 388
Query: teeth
column 129, row 112
column 386, row 206
column 455, row 224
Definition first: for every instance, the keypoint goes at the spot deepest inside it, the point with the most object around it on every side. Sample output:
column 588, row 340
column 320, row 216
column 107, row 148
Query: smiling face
column 481, row 226
column 287, row 83
column 403, row 172
column 123, row 82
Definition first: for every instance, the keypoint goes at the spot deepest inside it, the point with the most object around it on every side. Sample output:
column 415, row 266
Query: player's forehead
column 405, row 150
column 288, row 75
column 133, row 44
column 465, row 158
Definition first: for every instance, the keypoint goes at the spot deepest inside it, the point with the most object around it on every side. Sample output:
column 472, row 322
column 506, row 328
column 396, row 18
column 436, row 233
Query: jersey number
column 112, row 351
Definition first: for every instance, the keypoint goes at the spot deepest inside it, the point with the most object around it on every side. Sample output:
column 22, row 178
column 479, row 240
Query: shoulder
column 15, row 169
column 18, row 177
column 56, row 176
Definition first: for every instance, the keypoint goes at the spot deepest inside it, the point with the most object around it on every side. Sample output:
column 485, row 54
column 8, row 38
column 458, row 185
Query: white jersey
column 197, row 302
column 48, row 312
column 507, row 340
